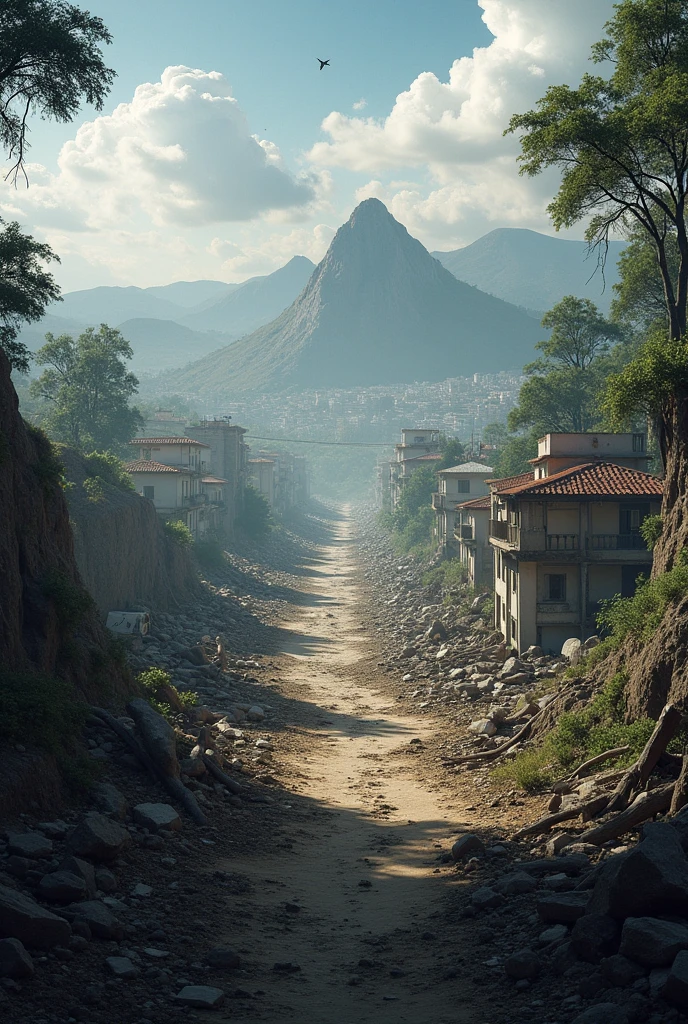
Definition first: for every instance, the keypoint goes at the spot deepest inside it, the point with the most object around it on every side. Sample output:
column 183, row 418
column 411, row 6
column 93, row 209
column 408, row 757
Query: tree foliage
column 89, row 386
column 622, row 143
column 639, row 303
column 50, row 62
column 26, row 288
column 255, row 517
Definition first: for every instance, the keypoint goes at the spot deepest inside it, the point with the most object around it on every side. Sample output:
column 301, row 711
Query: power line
column 336, row 444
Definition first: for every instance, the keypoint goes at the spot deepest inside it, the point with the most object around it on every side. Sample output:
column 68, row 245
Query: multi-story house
column 264, row 476
column 418, row 448
column 456, row 485
column 169, row 472
column 472, row 541
column 227, row 465
column 565, row 541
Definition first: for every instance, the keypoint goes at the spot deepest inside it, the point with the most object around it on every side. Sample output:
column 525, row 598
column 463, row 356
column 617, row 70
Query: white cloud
column 454, row 129
column 180, row 153
column 360, row 104
column 262, row 256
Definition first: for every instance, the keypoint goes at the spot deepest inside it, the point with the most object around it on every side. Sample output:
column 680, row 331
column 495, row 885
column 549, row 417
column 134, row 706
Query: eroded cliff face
column 46, row 624
column 125, row 558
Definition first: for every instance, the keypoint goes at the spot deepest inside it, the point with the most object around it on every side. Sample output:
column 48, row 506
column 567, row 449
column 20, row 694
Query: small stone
column 562, row 908
column 15, row 962
column 554, row 934
column 621, row 972
column 105, row 880
column 255, row 713
column 98, row 838
column 595, row 936
column 602, row 1013
column 122, row 967
column 22, row 918
column 110, row 801
column 483, row 727
column 466, row 845
column 61, row 887
column 516, row 884
column 486, row 899
column 101, row 921
column 157, row 816
column 525, row 964
column 202, row 997
column 142, row 890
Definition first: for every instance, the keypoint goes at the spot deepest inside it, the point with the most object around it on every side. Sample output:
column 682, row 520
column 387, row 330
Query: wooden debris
column 635, row 779
column 643, row 807
column 680, row 795
column 599, row 759
column 589, row 807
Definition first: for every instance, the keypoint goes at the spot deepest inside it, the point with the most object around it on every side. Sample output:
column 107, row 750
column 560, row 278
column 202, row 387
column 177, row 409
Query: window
column 629, row 520
column 147, row 454
column 149, row 492
column 514, row 581
column 419, row 439
column 463, row 486
column 513, row 629
column 555, row 587
column 638, row 442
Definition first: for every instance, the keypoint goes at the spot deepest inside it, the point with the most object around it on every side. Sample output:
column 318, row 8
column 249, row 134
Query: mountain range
column 533, row 270
column 378, row 309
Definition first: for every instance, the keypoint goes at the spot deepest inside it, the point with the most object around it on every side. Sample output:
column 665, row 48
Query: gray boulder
column 98, row 838
column 158, row 736
column 516, row 884
column 651, row 942
column 561, row 907
column 571, row 650
column 675, row 988
column 620, row 972
column 15, row 962
column 466, row 845
column 202, row 997
column 650, row 879
column 595, row 936
column 61, row 887
column 82, row 869
column 110, row 801
column 122, row 967
column 32, row 845
column 486, row 899
column 525, row 964
column 511, row 666
column 22, row 918
column 155, row 816
column 101, row 921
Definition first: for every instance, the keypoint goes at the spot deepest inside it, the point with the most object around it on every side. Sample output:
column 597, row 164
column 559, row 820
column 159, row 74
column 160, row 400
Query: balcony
column 194, row 499
column 438, row 500
column 501, row 530
column 463, row 532
column 616, row 542
column 562, row 542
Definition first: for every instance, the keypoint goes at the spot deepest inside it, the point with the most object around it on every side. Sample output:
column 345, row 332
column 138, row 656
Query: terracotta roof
column 270, row 461
column 148, row 466
column 144, row 441
column 469, row 467
column 594, row 479
column 510, row 481
column 213, row 480
column 483, row 501
column 421, row 458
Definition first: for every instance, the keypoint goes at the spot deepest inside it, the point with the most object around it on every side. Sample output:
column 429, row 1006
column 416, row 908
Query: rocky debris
column 157, row 816
column 201, row 997
column 467, row 845
column 122, row 967
column 32, row 845
column 61, row 887
column 110, row 801
column 675, row 988
column 602, row 1013
column 523, row 965
column 98, row 838
column 652, row 942
column 101, row 922
column 15, row 962
column 23, row 919
column 648, row 880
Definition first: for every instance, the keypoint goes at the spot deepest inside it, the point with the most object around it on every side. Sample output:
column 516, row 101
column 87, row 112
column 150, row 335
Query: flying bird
column 323, row 63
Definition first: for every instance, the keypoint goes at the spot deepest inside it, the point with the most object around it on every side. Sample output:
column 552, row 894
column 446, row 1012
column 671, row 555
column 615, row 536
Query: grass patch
column 163, row 696
column 577, row 736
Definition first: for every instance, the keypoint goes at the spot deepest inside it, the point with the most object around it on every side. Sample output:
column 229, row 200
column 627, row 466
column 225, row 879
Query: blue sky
column 222, row 150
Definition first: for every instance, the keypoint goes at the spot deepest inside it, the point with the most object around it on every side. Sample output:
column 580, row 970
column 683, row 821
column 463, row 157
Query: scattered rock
column 524, row 964
column 595, row 936
column 486, row 899
column 156, row 816
column 561, row 908
column 101, row 921
column 202, row 997
column 122, row 967
column 110, row 801
column 602, row 1013
column 98, row 838
column 61, row 887
column 223, row 959
column 32, row 845
column 651, row 942
column 466, row 845
column 22, row 918
column 15, row 962
column 675, row 988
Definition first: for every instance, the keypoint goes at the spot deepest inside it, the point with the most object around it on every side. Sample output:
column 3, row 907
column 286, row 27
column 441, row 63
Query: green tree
column 50, row 62
column 89, row 387
column 255, row 518
column 639, row 303
column 452, row 451
column 26, row 288
column 562, row 392
column 515, row 453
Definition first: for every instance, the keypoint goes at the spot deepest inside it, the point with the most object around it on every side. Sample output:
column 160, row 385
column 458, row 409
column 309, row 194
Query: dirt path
column 351, row 903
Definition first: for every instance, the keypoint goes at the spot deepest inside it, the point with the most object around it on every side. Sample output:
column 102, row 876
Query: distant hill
column 108, row 305
column 532, row 270
column 378, row 309
column 163, row 344
column 254, row 303
column 188, row 294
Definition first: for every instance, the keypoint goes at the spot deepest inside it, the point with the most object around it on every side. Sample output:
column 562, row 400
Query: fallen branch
column 643, row 807
column 175, row 787
column 489, row 755
column 680, row 795
column 590, row 807
column 214, row 769
column 635, row 779
column 598, row 759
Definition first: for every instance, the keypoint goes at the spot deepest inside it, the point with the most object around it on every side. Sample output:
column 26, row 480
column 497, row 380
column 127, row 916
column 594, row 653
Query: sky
column 222, row 150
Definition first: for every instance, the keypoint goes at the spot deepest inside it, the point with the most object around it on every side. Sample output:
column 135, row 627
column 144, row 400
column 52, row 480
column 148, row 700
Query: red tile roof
column 213, row 480
column 421, row 458
column 592, row 480
column 483, row 501
column 145, row 441
column 511, row 481
column 148, row 466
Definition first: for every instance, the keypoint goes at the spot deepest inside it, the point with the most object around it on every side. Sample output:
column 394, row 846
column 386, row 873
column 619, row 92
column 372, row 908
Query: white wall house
column 457, row 484
column 472, row 541
column 419, row 447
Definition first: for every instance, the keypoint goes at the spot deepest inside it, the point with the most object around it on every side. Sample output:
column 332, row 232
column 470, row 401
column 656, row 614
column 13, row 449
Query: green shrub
column 156, row 685
column 651, row 530
column 47, row 465
column 93, row 485
column 178, row 532
column 210, row 554
column 255, row 518
column 71, row 601
column 108, row 468
column 578, row 736
column 640, row 615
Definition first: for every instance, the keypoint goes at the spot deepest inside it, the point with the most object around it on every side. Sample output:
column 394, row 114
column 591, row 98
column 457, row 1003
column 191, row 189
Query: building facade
column 227, row 461
column 455, row 485
column 418, row 448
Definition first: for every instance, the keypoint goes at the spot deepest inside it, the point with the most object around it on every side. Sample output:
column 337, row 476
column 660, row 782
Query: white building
column 457, row 484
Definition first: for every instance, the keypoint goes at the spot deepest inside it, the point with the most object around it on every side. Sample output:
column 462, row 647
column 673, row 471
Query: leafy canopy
column 621, row 142
column 89, row 386
column 50, row 62
column 26, row 288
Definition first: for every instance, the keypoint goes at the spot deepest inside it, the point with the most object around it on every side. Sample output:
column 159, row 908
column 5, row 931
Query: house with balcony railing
column 455, row 485
column 564, row 542
column 169, row 471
